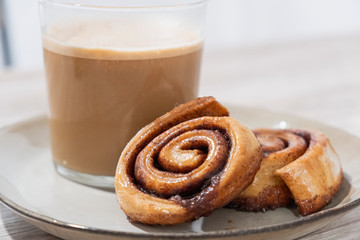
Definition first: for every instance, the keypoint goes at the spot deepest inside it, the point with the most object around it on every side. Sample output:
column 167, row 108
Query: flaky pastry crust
column 299, row 165
column 186, row 164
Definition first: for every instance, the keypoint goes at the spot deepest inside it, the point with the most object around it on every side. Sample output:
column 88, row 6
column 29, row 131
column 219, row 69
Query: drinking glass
column 113, row 66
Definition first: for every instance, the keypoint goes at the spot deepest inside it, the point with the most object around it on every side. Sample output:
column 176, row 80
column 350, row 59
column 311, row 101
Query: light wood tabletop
column 317, row 80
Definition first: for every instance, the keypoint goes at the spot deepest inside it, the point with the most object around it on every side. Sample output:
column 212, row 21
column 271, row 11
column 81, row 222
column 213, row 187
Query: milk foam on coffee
column 129, row 40
column 107, row 80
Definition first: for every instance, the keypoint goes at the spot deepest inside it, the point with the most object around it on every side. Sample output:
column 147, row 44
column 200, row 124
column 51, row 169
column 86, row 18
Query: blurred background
column 230, row 24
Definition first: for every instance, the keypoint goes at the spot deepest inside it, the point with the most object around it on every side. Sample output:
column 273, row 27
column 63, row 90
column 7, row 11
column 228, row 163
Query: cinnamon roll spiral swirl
column 186, row 164
column 298, row 165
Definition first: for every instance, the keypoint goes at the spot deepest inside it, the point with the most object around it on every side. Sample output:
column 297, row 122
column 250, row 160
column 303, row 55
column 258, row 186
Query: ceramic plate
column 30, row 186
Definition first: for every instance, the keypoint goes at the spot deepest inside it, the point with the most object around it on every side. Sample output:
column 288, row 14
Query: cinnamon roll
column 186, row 164
column 298, row 165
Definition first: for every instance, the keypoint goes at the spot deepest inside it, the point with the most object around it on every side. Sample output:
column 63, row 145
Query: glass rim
column 120, row 5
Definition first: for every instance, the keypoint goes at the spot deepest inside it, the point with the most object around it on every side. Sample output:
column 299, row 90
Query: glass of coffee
column 113, row 66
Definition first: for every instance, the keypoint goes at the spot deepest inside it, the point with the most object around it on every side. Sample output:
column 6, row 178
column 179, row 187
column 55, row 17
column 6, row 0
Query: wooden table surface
column 317, row 79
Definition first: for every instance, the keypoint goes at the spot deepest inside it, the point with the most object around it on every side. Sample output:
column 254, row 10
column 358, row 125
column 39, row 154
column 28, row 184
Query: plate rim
column 323, row 214
column 31, row 215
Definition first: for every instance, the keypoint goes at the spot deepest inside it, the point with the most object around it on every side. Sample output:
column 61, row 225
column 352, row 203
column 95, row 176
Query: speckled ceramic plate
column 30, row 186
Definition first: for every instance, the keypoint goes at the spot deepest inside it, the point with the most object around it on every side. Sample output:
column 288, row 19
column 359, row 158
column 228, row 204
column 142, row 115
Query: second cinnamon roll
column 298, row 165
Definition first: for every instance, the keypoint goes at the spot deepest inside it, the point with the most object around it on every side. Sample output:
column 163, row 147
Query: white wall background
column 24, row 33
column 230, row 24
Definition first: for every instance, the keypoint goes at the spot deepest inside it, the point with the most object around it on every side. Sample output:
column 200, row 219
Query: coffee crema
column 100, row 97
